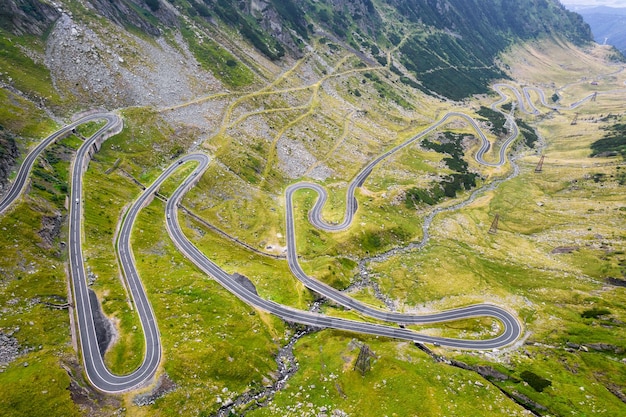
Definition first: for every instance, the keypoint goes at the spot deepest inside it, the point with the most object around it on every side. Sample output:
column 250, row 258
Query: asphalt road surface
column 22, row 175
column 315, row 217
column 510, row 333
column 104, row 380
column 96, row 371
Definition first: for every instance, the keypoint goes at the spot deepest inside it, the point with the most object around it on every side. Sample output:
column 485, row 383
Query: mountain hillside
column 472, row 152
column 608, row 24
column 130, row 52
column 441, row 43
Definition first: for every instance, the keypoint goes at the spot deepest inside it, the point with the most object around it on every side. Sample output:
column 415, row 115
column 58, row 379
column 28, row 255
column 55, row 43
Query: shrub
column 496, row 118
column 594, row 313
column 154, row 5
column 529, row 134
column 538, row 383
column 613, row 142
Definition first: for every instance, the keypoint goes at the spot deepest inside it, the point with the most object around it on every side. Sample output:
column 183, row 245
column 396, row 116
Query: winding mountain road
column 510, row 333
column 95, row 368
column 315, row 217
column 27, row 165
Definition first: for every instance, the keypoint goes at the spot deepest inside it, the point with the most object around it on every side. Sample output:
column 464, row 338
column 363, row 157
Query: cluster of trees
column 496, row 118
column 461, row 179
column 459, row 64
column 529, row 134
column 613, row 142
column 446, row 66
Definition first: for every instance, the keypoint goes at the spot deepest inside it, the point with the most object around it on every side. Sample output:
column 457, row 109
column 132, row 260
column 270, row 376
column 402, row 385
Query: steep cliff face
column 27, row 16
column 145, row 16
column 125, row 52
column 35, row 17
column 447, row 43
column 480, row 20
column 454, row 54
column 8, row 155
column 284, row 21
column 343, row 16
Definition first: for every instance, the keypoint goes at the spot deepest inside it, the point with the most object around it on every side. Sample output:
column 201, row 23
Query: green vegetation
column 104, row 196
column 107, row 191
column 202, row 326
column 32, row 274
column 90, row 128
column 529, row 134
column 594, row 313
column 374, row 241
column 564, row 309
column 337, row 20
column 444, row 64
column 613, row 142
column 330, row 382
column 249, row 28
column 22, row 117
column 50, row 176
column 18, row 69
column 462, row 179
column 271, row 277
column 41, row 369
column 216, row 59
column 386, row 91
column 538, row 383
column 154, row 5
column 408, row 81
column 461, row 63
column 380, row 229
column 293, row 15
column 7, row 144
column 496, row 118
column 344, row 114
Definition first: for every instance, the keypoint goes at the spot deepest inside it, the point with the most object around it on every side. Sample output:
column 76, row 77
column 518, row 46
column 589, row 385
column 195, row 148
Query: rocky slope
column 118, row 53
column 95, row 45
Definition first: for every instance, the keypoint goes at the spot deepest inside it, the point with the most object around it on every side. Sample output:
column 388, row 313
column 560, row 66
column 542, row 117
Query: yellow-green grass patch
column 214, row 345
column 401, row 378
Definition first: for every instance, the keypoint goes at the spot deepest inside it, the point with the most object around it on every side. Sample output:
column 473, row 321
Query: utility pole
column 539, row 166
column 574, row 120
column 494, row 225
column 363, row 361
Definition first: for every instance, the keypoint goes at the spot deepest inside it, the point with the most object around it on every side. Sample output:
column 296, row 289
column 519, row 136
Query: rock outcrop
column 8, row 155
column 27, row 16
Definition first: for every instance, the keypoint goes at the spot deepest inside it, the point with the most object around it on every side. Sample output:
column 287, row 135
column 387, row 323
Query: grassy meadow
column 554, row 294
column 560, row 238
